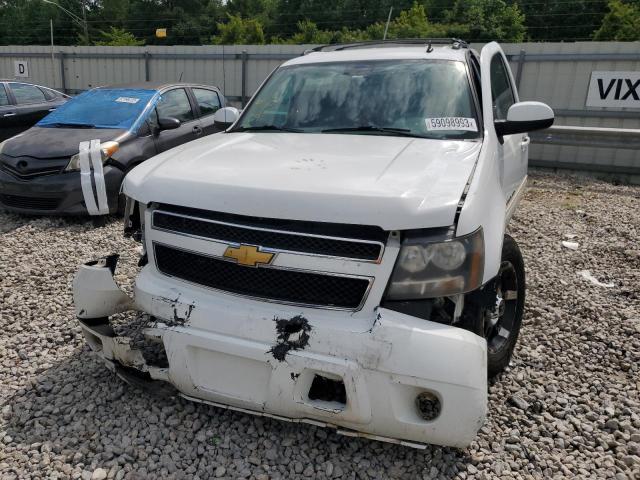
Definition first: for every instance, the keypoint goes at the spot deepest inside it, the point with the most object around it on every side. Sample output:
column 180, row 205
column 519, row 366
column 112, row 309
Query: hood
column 45, row 143
column 392, row 182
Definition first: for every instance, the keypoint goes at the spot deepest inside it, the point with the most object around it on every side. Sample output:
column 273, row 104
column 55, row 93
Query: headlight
column 2, row 145
column 107, row 149
column 427, row 269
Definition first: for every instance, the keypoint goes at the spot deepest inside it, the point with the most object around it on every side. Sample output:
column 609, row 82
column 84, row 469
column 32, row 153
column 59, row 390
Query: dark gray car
column 22, row 105
column 39, row 169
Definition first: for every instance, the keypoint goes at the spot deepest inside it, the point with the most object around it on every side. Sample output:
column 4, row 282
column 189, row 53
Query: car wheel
column 502, row 325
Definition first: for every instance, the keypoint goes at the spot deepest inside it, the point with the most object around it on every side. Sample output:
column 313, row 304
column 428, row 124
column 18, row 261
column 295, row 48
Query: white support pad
column 85, row 178
column 91, row 160
column 98, row 177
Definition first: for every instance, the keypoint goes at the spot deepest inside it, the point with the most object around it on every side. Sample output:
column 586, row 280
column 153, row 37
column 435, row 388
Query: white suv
column 338, row 255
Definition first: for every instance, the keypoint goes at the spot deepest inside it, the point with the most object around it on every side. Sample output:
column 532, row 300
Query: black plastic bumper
column 54, row 194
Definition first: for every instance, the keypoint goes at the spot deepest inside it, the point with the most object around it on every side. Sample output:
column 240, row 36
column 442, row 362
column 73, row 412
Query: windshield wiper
column 71, row 125
column 404, row 132
column 267, row 128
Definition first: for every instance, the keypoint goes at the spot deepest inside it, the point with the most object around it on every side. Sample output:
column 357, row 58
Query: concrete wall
column 555, row 73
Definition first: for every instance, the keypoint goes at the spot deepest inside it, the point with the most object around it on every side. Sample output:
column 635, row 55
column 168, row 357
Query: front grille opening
column 362, row 232
column 285, row 239
column 327, row 390
column 29, row 203
column 280, row 285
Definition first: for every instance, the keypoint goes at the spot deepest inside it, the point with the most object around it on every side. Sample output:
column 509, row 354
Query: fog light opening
column 428, row 405
column 153, row 352
column 327, row 390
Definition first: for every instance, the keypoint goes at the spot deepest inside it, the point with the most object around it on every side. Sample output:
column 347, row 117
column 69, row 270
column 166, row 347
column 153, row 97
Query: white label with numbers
column 452, row 123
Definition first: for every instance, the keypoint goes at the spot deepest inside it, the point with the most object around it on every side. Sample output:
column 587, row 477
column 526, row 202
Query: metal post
column 63, row 88
column 84, row 20
column 521, row 60
column 386, row 27
column 147, row 76
column 245, row 63
column 53, row 63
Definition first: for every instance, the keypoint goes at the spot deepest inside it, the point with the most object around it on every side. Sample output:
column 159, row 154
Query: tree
column 489, row 20
column 410, row 23
column 413, row 23
column 562, row 20
column 335, row 15
column 26, row 22
column 239, row 31
column 622, row 23
column 118, row 37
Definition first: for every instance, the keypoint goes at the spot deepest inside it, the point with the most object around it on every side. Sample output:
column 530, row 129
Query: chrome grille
column 298, row 287
column 283, row 237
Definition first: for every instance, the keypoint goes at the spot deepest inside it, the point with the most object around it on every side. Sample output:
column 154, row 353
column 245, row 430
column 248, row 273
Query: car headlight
column 2, row 145
column 427, row 269
column 107, row 149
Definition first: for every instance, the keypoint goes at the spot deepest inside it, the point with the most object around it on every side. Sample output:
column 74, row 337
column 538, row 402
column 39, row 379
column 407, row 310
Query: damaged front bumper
column 392, row 377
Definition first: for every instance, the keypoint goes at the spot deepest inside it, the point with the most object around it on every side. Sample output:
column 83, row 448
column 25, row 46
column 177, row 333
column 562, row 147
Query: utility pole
column 84, row 20
column 53, row 62
column 80, row 21
column 386, row 27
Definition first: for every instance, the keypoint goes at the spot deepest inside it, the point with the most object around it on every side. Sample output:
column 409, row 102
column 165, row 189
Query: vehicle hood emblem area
column 248, row 255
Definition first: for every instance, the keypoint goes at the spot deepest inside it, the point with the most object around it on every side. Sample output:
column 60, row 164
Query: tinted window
column 208, row 101
column 405, row 95
column 175, row 104
column 50, row 94
column 26, row 93
column 4, row 100
column 500, row 89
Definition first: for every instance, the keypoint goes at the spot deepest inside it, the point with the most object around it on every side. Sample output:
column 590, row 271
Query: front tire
column 502, row 326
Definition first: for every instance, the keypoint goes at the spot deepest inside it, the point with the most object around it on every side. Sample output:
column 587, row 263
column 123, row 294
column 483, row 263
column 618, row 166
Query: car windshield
column 100, row 108
column 418, row 98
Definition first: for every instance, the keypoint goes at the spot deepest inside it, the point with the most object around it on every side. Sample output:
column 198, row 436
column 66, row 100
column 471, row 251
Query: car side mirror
column 168, row 123
column 525, row 117
column 225, row 117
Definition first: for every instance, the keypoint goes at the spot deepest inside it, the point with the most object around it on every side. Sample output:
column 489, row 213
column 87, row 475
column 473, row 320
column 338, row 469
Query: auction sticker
column 127, row 100
column 451, row 123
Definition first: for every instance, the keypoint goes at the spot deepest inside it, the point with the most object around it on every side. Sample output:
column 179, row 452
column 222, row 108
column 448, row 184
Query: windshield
column 100, row 108
column 430, row 99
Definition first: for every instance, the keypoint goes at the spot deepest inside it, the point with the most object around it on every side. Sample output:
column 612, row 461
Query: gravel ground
column 568, row 406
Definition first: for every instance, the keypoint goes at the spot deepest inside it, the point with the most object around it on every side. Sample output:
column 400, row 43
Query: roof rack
column 455, row 43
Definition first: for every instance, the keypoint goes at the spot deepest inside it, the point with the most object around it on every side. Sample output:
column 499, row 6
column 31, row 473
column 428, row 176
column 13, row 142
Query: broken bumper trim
column 221, row 352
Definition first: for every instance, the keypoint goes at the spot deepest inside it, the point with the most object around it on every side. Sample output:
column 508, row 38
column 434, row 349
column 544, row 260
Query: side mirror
column 168, row 123
column 225, row 117
column 525, row 117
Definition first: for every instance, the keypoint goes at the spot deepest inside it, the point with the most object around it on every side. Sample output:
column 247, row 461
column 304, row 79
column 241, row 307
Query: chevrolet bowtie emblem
column 249, row 255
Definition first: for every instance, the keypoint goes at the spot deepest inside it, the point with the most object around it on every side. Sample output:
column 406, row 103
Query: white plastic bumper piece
column 266, row 359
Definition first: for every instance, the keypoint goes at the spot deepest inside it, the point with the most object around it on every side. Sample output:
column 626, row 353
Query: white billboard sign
column 614, row 90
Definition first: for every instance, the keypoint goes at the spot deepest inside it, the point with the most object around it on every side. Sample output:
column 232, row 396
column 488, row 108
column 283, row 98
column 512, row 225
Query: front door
column 499, row 93
column 8, row 125
column 175, row 104
column 208, row 103
column 30, row 103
